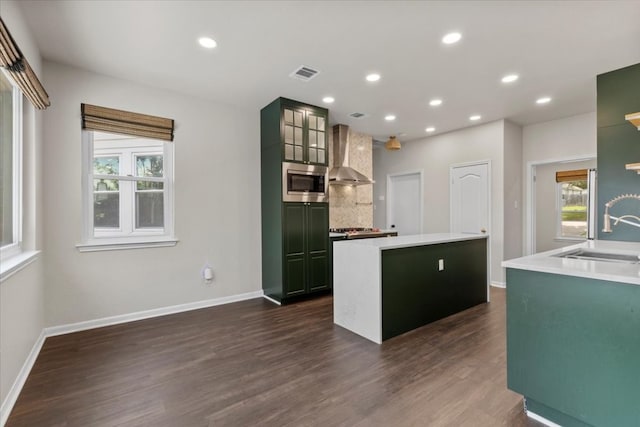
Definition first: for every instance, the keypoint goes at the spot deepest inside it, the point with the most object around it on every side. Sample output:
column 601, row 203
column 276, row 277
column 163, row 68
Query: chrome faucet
column 608, row 218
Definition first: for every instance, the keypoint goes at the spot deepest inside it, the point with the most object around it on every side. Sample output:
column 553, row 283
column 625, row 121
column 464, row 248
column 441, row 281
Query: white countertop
column 394, row 242
column 546, row 262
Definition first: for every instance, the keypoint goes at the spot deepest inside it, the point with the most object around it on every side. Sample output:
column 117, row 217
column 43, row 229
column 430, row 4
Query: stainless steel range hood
column 342, row 173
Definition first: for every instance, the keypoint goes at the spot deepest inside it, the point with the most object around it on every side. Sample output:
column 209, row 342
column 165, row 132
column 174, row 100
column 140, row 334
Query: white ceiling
column 557, row 48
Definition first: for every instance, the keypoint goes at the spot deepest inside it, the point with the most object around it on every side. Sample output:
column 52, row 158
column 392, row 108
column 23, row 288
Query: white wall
column 22, row 295
column 562, row 139
column 571, row 137
column 513, row 214
column 434, row 155
column 217, row 204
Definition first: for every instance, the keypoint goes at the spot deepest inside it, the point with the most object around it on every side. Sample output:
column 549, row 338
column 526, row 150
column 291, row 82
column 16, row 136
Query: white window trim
column 15, row 249
column 140, row 239
column 559, row 237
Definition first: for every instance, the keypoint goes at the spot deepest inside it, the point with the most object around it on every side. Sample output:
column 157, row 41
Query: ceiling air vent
column 304, row 73
column 357, row 115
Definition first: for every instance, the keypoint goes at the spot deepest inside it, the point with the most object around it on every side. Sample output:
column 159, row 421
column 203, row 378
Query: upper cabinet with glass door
column 304, row 133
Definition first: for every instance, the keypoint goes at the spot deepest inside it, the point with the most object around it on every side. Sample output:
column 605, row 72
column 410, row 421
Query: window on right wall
column 573, row 204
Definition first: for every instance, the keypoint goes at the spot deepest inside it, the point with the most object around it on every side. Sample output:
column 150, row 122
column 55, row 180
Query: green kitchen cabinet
column 300, row 130
column 573, row 347
column 306, row 248
column 417, row 291
column 295, row 235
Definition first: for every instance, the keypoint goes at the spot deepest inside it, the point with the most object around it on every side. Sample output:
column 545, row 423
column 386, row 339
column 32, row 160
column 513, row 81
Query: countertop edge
column 398, row 242
column 547, row 262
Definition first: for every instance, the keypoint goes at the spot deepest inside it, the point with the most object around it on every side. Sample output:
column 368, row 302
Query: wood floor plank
column 254, row 363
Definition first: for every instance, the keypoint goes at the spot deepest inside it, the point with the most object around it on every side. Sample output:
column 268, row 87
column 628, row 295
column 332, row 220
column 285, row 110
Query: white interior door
column 470, row 198
column 404, row 203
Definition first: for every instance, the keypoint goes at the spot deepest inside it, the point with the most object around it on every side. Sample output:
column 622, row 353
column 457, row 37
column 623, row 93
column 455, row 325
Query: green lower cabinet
column 295, row 268
column 573, row 348
column 416, row 292
column 306, row 244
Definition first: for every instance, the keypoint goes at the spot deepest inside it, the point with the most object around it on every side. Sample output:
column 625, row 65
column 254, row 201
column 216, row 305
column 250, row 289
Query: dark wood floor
column 253, row 363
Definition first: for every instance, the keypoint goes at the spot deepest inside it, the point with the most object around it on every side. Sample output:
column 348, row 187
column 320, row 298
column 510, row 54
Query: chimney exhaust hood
column 342, row 173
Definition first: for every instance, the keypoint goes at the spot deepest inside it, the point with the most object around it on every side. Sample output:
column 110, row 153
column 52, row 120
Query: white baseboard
column 271, row 299
column 502, row 285
column 16, row 387
column 140, row 315
column 542, row 420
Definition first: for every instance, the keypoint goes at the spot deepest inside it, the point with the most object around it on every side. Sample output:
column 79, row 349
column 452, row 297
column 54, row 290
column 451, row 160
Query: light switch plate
column 440, row 264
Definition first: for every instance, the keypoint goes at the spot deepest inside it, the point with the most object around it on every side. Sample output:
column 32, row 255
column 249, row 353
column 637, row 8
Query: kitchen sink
column 587, row 254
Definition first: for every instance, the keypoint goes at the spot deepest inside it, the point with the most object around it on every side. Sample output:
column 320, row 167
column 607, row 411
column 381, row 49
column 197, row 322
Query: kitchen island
column 387, row 286
column 573, row 333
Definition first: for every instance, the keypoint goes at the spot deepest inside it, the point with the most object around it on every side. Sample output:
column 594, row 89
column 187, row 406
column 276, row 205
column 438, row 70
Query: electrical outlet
column 207, row 274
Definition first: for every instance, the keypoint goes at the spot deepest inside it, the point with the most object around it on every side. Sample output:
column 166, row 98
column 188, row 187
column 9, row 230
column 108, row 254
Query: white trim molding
column 389, row 195
column 271, row 299
column 529, row 242
column 542, row 420
column 16, row 387
column 147, row 314
column 97, row 246
column 502, row 285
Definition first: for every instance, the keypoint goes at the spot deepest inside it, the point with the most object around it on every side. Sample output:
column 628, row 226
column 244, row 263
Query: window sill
column 569, row 239
column 11, row 266
column 113, row 245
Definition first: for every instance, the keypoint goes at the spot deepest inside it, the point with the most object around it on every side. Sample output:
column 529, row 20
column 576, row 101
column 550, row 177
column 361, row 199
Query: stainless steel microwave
column 304, row 183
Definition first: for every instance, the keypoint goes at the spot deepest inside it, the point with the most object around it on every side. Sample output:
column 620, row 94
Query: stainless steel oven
column 304, row 183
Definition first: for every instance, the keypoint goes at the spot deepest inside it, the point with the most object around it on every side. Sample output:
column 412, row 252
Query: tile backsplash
column 352, row 206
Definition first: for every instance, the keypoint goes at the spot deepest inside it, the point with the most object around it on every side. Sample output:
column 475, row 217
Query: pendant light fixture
column 392, row 144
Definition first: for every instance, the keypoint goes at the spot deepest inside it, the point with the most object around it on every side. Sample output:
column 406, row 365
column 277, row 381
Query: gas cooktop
column 363, row 233
column 354, row 229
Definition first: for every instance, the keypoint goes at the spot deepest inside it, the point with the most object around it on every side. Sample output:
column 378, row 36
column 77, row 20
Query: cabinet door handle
column 483, row 230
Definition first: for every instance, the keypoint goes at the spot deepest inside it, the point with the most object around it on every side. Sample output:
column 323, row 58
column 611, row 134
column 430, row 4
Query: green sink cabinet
column 573, row 348
column 300, row 130
column 295, row 236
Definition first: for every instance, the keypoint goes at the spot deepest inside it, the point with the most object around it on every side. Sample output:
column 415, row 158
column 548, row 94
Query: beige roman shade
column 19, row 69
column 574, row 175
column 105, row 119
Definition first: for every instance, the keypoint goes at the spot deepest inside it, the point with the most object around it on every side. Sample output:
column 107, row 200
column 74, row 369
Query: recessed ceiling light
column 430, row 129
column 543, row 100
column 328, row 99
column 207, row 42
column 475, row 117
column 510, row 78
column 451, row 38
column 435, row 102
column 390, row 117
column 373, row 77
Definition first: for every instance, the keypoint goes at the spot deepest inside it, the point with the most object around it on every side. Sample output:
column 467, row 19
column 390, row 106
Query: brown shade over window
column 19, row 69
column 125, row 122
column 574, row 175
